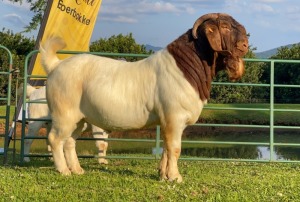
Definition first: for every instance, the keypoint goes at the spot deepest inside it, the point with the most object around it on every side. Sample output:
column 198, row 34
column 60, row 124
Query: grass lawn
column 137, row 180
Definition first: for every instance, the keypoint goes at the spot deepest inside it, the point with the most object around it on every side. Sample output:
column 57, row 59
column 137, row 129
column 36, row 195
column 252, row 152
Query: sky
column 271, row 23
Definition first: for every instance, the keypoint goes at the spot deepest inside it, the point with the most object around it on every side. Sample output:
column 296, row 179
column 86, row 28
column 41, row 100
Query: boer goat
column 168, row 88
column 41, row 111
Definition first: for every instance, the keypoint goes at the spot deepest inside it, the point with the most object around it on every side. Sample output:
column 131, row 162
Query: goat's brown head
column 227, row 38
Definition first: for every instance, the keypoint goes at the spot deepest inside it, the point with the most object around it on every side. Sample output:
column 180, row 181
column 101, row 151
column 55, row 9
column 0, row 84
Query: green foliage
column 38, row 7
column 288, row 53
column 16, row 43
column 285, row 73
column 19, row 46
column 137, row 180
column 119, row 44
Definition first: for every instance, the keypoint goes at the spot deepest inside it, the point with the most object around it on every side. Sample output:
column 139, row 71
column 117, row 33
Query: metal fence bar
column 271, row 107
column 239, row 84
column 232, row 125
column 24, row 103
column 287, row 127
column 157, row 142
column 8, row 73
column 272, row 111
column 237, row 109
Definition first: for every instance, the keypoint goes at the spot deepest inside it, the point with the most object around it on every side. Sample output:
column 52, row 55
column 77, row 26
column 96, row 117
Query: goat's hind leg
column 70, row 150
column 100, row 144
column 33, row 130
column 48, row 128
column 60, row 132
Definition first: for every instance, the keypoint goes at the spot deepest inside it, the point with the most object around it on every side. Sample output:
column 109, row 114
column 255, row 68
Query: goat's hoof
column 77, row 171
column 103, row 161
column 177, row 178
column 163, row 177
column 65, row 172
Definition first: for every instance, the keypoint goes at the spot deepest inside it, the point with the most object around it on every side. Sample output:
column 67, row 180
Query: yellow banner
column 72, row 20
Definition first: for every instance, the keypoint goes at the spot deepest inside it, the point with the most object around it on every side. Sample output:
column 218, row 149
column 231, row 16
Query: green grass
column 3, row 113
column 137, row 180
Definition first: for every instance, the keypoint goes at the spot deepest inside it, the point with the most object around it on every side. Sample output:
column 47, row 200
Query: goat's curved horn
column 203, row 18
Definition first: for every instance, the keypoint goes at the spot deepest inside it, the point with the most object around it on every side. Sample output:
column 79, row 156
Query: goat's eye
column 227, row 28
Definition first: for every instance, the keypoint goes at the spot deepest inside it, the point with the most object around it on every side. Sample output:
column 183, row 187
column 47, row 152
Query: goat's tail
column 48, row 53
column 29, row 90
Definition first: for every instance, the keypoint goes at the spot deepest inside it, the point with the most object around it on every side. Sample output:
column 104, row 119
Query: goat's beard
column 235, row 69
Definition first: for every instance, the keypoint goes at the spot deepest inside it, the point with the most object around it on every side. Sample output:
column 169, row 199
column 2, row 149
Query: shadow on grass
column 115, row 169
column 37, row 162
column 125, row 168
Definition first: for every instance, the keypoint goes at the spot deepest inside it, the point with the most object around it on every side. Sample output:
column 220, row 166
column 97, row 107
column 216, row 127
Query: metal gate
column 6, row 73
column 158, row 142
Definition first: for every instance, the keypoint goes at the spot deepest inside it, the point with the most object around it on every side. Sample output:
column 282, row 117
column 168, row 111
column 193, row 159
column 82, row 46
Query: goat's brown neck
column 190, row 60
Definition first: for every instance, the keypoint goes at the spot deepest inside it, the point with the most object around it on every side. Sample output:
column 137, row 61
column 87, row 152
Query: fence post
column 7, row 111
column 157, row 142
column 24, row 105
column 272, row 112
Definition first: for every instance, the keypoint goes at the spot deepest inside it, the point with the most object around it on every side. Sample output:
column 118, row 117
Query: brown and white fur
column 168, row 88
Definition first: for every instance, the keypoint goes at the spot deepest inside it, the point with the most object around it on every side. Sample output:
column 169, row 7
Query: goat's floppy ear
column 214, row 38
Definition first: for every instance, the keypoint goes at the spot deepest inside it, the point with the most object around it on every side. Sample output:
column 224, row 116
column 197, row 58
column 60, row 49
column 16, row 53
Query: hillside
column 271, row 52
column 153, row 48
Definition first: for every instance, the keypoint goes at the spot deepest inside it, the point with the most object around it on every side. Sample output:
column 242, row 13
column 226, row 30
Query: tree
column 38, row 7
column 285, row 73
column 119, row 44
column 17, row 43
column 19, row 46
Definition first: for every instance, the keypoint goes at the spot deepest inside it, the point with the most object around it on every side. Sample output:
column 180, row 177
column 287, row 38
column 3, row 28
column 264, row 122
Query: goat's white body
column 41, row 111
column 168, row 88
column 117, row 95
column 37, row 110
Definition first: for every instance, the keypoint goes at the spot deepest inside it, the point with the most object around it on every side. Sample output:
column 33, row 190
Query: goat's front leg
column 172, row 147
